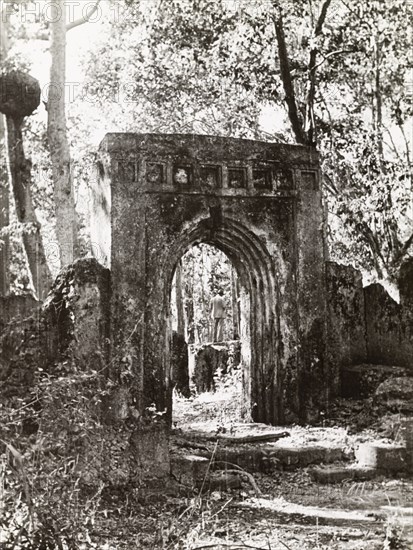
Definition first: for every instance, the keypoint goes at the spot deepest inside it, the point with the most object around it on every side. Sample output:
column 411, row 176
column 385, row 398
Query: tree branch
column 374, row 247
column 309, row 127
column 406, row 142
column 322, row 17
column 364, row 20
column 82, row 19
column 392, row 145
column 290, row 100
column 331, row 54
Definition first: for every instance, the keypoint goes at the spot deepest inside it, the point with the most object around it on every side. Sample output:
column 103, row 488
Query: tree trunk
column 4, row 177
column 189, row 308
column 66, row 229
column 290, row 100
column 304, row 131
column 179, row 301
column 234, row 299
column 4, row 212
column 21, row 180
column 378, row 98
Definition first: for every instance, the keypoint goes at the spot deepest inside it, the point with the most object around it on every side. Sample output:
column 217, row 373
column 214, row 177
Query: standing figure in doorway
column 218, row 316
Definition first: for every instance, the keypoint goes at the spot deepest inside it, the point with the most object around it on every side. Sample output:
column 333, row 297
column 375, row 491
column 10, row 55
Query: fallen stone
column 338, row 474
column 253, row 438
column 268, row 458
column 189, row 469
column 221, row 481
column 400, row 388
column 360, row 381
column 386, row 457
column 209, row 359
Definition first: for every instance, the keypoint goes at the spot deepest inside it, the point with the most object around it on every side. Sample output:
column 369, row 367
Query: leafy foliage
column 43, row 506
column 214, row 67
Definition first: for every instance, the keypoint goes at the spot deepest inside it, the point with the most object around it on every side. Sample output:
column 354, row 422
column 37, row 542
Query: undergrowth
column 42, row 504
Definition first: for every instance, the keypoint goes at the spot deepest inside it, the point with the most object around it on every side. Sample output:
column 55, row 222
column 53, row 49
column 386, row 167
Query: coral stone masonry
column 260, row 203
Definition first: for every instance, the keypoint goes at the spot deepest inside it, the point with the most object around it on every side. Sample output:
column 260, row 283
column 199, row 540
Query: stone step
column 287, row 512
column 270, row 457
column 338, row 474
column 190, row 468
column 384, row 457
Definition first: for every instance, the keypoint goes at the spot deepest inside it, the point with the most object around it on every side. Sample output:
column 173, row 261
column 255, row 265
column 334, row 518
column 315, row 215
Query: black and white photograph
column 206, row 275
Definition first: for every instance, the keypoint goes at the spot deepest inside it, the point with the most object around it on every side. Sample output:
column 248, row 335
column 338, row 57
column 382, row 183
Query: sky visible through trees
column 334, row 73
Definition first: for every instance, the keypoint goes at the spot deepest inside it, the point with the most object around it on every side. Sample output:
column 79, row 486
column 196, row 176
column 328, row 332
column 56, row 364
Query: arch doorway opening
column 209, row 337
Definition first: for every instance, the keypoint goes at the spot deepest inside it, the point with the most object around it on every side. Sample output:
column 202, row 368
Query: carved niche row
column 181, row 176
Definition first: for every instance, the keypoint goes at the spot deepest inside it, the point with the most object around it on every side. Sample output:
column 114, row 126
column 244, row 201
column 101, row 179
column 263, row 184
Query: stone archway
column 260, row 203
column 259, row 308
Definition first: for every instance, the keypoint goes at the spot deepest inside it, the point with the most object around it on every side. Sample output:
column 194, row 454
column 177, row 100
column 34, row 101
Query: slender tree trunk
column 189, row 309
column 20, row 171
column 66, row 228
column 4, row 211
column 234, row 299
column 4, row 177
column 378, row 98
column 179, row 300
column 304, row 131
column 290, row 100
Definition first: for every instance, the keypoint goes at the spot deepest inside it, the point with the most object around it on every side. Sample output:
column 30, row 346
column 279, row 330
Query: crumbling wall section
column 389, row 325
column 76, row 314
column 346, row 319
column 56, row 364
column 383, row 317
column 365, row 325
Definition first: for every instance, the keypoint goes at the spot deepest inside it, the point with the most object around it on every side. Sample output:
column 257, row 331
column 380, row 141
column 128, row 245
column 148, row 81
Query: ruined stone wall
column 365, row 325
column 383, row 319
column 346, row 343
column 389, row 325
column 56, row 364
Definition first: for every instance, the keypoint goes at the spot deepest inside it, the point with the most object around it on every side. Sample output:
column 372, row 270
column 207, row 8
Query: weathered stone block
column 396, row 388
column 222, row 481
column 149, row 451
column 209, row 359
column 267, row 458
column 338, row 474
column 189, row 469
column 77, row 313
column 388, row 457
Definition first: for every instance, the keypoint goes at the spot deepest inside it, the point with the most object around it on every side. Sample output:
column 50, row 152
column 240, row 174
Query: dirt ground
column 237, row 519
column 292, row 512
